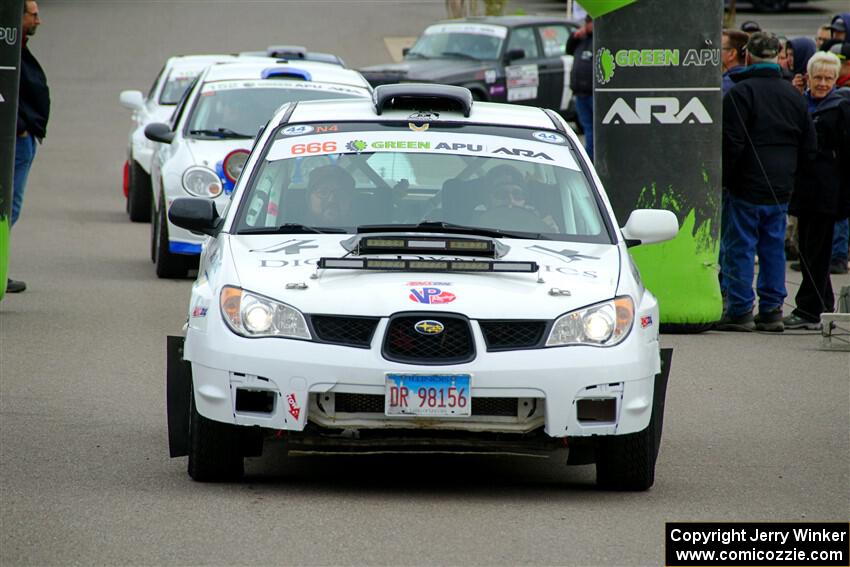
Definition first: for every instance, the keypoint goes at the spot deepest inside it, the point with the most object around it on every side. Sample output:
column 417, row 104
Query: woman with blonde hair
column 821, row 194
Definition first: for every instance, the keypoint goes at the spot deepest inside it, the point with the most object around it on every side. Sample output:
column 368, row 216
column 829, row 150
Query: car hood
column 431, row 70
column 210, row 152
column 283, row 267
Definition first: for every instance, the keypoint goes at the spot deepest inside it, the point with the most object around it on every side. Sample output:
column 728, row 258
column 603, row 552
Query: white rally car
column 203, row 148
column 419, row 272
column 157, row 106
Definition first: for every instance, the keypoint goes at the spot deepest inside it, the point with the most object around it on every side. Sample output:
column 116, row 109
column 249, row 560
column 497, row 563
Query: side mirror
column 159, row 132
column 514, row 54
column 132, row 100
column 646, row 226
column 405, row 51
column 195, row 215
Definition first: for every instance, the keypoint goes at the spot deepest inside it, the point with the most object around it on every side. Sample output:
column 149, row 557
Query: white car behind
column 204, row 146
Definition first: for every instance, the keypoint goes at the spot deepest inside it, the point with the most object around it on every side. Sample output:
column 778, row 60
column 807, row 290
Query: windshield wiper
column 458, row 54
column 415, row 54
column 220, row 133
column 292, row 228
column 440, row 226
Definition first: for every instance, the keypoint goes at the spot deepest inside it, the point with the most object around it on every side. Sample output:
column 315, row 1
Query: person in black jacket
column 767, row 131
column 580, row 46
column 33, row 112
column 822, row 193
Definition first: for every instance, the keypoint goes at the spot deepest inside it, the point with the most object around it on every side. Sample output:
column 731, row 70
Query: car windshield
column 496, row 180
column 175, row 86
column 239, row 109
column 459, row 40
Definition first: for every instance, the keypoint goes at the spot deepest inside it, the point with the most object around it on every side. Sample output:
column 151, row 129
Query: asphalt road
column 756, row 426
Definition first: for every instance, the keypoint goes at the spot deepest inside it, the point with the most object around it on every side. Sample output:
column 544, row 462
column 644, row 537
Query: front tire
column 139, row 196
column 214, row 453
column 168, row 264
column 627, row 462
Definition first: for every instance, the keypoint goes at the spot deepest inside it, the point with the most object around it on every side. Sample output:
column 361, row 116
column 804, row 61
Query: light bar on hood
column 424, row 244
column 406, row 265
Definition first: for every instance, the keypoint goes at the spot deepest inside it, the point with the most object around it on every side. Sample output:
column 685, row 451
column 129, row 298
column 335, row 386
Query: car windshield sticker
column 431, row 295
column 424, row 142
column 550, row 137
column 490, row 76
column 280, row 84
column 522, row 82
column 296, row 130
column 478, row 29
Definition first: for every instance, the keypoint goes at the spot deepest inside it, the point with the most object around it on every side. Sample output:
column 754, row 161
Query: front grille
column 374, row 403
column 351, row 331
column 403, row 343
column 512, row 335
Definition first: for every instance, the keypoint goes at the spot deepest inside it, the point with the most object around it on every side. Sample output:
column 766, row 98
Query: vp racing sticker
column 431, row 295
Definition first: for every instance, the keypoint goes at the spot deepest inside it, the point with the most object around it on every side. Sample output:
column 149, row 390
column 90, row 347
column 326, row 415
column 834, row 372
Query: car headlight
column 252, row 315
column 201, row 182
column 604, row 324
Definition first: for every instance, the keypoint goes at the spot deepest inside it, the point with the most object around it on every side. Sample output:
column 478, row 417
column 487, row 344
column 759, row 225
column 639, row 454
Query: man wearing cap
column 767, row 131
column 838, row 27
column 750, row 27
column 580, row 46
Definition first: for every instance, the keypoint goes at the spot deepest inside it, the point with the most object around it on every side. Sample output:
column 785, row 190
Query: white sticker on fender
column 522, row 81
column 567, row 60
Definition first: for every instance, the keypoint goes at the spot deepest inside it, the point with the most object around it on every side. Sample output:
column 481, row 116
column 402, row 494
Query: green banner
column 598, row 8
column 657, row 137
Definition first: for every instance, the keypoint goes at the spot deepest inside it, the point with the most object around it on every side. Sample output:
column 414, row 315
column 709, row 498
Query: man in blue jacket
column 33, row 113
column 580, row 46
column 767, row 132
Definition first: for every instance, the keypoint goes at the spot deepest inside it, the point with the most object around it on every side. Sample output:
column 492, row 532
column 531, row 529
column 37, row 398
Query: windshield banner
column 478, row 29
column 280, row 84
column 556, row 153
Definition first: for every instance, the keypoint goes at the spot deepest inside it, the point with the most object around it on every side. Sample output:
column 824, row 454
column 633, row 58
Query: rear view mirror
column 132, row 100
column 159, row 132
column 646, row 226
column 195, row 215
column 514, row 54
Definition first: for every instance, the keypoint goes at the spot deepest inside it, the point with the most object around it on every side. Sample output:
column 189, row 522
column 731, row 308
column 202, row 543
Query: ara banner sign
column 11, row 15
column 657, row 136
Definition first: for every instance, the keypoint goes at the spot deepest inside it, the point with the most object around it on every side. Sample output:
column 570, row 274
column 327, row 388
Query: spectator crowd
column 786, row 163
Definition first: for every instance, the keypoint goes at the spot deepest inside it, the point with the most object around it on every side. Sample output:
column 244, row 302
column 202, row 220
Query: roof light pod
column 286, row 73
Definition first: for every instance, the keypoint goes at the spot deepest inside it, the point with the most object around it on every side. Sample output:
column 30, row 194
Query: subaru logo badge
column 429, row 327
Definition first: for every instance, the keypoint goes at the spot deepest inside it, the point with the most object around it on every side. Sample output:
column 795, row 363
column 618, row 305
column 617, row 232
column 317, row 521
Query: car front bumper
column 342, row 388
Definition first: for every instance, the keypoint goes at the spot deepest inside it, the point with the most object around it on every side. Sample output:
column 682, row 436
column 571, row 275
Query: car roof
column 254, row 68
column 361, row 110
column 510, row 21
column 197, row 62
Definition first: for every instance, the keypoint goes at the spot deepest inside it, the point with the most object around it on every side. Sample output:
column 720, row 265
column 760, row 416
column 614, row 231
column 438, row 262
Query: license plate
column 432, row 395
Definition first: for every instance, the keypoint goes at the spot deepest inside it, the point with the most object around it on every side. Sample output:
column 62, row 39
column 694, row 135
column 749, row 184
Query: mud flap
column 178, row 388
column 659, row 394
